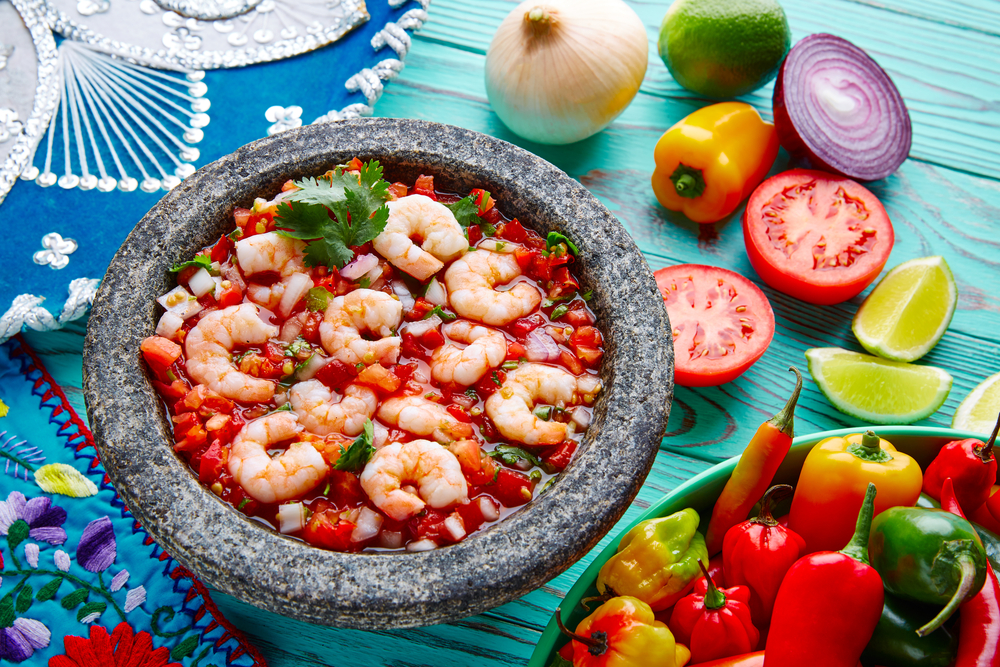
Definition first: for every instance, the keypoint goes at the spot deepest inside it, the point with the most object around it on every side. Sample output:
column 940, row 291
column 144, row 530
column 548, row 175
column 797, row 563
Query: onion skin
column 860, row 154
column 562, row 80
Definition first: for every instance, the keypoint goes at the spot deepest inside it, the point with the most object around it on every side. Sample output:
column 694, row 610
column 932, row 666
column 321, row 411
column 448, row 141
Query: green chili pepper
column 991, row 541
column 928, row 555
column 895, row 641
column 656, row 560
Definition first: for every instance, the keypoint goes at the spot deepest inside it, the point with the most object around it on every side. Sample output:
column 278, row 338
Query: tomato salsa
column 368, row 365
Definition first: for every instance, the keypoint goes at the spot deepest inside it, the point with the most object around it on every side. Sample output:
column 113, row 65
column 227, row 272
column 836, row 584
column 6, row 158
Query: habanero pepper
column 828, row 605
column 758, row 552
column 972, row 468
column 754, row 471
column 832, row 485
column 712, row 160
column 714, row 623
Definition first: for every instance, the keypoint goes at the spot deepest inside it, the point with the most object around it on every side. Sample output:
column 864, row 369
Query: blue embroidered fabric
column 82, row 582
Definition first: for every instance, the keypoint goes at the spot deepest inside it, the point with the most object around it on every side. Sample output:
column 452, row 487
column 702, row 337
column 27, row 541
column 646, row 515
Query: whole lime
column 724, row 48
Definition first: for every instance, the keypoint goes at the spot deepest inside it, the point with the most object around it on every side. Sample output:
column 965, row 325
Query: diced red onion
column 291, row 517
column 400, row 289
column 233, row 275
column 390, row 539
column 169, row 324
column 455, row 526
column 559, row 334
column 295, row 288
column 539, row 346
column 422, row 545
column 580, row 417
column 488, row 508
column 359, row 267
column 313, row 364
column 420, row 327
column 292, row 327
column 464, row 400
column 436, row 293
column 836, row 109
column 368, row 525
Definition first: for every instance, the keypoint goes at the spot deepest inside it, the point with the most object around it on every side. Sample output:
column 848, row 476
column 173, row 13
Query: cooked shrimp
column 362, row 310
column 472, row 281
column 320, row 413
column 433, row 474
column 274, row 253
column 209, row 350
column 511, row 407
column 420, row 416
column 296, row 471
column 487, row 348
column 423, row 218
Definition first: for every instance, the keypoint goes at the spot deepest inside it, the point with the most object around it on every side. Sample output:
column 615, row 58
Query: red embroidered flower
column 122, row 647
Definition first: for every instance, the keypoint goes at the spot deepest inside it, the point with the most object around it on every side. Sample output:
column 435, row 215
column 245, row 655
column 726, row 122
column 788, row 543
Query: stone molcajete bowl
column 379, row 590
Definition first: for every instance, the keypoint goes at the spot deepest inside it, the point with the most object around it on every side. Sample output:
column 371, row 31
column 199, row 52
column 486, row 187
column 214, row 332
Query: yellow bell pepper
column 623, row 632
column 657, row 560
column 712, row 160
column 833, row 483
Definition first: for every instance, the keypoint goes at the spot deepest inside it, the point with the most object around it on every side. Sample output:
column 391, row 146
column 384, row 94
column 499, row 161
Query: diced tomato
column 459, row 413
column 273, row 352
column 231, row 296
column 208, row 302
column 565, row 284
column 398, row 190
column 242, row 216
column 211, row 463
column 258, row 223
column 380, row 378
column 412, row 348
column 184, row 423
column 224, row 427
column 491, row 216
column 336, row 375
column 514, row 231
column 587, row 336
column 261, row 367
column 490, row 383
column 541, row 268
column 522, row 327
column 569, row 360
column 203, row 400
column 221, row 249
column 472, row 513
column 525, row 256
column 429, row 524
column 561, row 456
column 425, row 186
column 310, row 328
column 515, row 351
column 189, row 433
column 355, row 165
column 326, row 529
column 512, row 488
column 432, row 339
column 345, row 490
column 420, row 308
column 174, row 390
column 160, row 352
column 404, row 371
column 589, row 356
column 475, row 234
column 478, row 195
column 577, row 317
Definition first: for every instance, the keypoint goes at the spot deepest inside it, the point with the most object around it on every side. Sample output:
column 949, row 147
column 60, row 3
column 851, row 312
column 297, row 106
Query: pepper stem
column 857, row 548
column 688, row 181
column 870, row 449
column 597, row 642
column 764, row 516
column 985, row 454
column 784, row 421
column 968, row 568
column 714, row 598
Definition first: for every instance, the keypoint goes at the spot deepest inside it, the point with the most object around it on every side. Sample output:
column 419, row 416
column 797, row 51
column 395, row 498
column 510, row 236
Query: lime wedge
column 978, row 412
column 908, row 311
column 877, row 390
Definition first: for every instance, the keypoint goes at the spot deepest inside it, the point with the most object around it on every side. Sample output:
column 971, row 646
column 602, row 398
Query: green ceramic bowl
column 701, row 491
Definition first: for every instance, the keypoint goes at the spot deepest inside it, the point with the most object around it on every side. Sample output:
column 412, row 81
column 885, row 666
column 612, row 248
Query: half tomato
column 721, row 323
column 815, row 236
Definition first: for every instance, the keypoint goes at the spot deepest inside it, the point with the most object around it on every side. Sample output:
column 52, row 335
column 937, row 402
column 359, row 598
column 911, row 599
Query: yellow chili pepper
column 712, row 160
column 623, row 632
column 833, row 481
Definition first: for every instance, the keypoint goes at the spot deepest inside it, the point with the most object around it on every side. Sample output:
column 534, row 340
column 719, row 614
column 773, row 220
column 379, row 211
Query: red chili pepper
column 757, row 554
column 979, row 635
column 972, row 468
column 714, row 623
column 828, row 605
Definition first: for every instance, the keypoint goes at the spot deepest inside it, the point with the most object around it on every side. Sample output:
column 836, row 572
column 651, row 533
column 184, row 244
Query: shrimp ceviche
column 369, row 365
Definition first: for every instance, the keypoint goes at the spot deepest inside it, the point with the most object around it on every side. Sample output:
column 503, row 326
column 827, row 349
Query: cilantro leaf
column 318, row 298
column 439, row 311
column 559, row 311
column 199, row 261
column 511, row 455
column 555, row 238
column 303, row 221
column 466, row 211
column 356, row 456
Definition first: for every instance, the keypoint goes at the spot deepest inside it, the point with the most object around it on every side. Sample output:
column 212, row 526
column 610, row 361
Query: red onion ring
column 836, row 109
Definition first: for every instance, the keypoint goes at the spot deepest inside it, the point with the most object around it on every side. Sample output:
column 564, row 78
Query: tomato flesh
column 721, row 323
column 815, row 236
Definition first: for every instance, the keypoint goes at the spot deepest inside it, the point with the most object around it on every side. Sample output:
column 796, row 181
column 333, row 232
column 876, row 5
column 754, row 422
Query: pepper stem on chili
column 764, row 516
column 857, row 548
column 985, row 453
column 597, row 642
column 784, row 421
column 870, row 449
column 688, row 181
column 965, row 583
column 714, row 598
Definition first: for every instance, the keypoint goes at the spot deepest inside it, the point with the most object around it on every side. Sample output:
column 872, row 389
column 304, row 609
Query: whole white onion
column 558, row 71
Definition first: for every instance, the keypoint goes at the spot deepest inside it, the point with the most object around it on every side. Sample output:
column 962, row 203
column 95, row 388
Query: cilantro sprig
column 199, row 261
column 359, row 452
column 467, row 211
column 336, row 212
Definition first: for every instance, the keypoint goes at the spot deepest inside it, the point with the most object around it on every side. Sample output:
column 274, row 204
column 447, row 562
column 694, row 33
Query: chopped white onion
column 296, row 287
column 180, row 302
column 280, row 398
column 201, row 282
column 390, row 539
column 359, row 267
column 291, row 517
column 380, row 435
column 494, row 245
column 420, row 327
column 313, row 364
column 581, row 417
column 169, row 324
column 539, row 346
column 422, row 545
column 374, row 275
column 455, row 526
column 233, row 275
column 368, row 526
column 488, row 508
column 436, row 293
column 400, row 289
column 292, row 327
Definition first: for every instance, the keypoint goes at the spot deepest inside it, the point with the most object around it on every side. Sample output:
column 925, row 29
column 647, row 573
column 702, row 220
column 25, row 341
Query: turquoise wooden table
column 945, row 200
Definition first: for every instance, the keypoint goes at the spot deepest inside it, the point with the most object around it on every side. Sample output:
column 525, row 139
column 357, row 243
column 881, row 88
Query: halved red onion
column 295, row 288
column 359, row 267
column 836, row 109
column 539, row 346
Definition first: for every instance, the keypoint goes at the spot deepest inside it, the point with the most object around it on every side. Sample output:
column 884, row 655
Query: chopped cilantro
column 495, row 378
column 555, row 238
column 586, row 296
column 357, row 454
column 467, row 212
column 199, row 261
column 500, row 245
column 364, row 282
column 551, row 301
column 509, row 365
column 236, row 234
column 440, row 312
column 559, row 311
column 359, row 366
column 357, row 205
column 243, row 503
column 318, row 298
column 543, row 411
column 510, row 455
column 297, row 346
column 287, row 407
column 241, row 356
column 471, row 393
column 535, row 476
column 488, row 229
